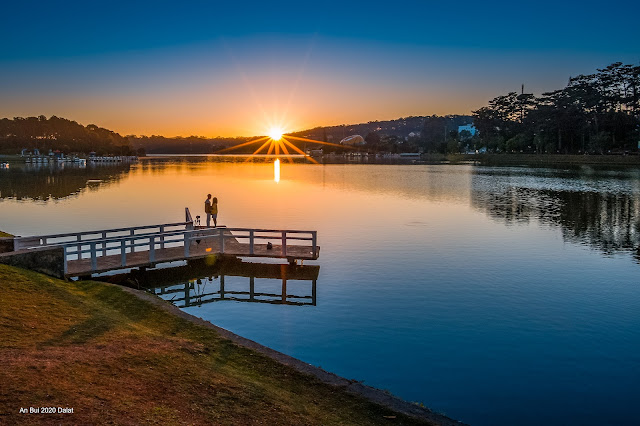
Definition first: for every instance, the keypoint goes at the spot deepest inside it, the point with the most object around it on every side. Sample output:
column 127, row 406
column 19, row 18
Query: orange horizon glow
column 278, row 144
column 225, row 112
column 234, row 87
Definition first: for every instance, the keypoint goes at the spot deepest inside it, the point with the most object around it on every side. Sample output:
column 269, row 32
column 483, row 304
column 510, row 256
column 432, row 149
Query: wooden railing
column 251, row 236
column 95, row 248
column 80, row 238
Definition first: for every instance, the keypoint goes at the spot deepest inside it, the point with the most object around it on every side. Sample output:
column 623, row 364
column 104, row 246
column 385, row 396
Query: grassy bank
column 5, row 235
column 115, row 358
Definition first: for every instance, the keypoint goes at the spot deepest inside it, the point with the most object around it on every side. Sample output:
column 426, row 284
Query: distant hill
column 183, row 145
column 59, row 134
column 426, row 133
column 402, row 128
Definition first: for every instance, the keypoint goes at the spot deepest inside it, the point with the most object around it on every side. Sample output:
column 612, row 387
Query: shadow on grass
column 83, row 332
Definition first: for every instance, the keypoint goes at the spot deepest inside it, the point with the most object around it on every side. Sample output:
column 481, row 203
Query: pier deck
column 204, row 249
column 91, row 252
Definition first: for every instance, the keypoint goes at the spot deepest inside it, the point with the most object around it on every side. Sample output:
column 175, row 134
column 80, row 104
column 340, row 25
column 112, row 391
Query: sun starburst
column 276, row 133
column 278, row 143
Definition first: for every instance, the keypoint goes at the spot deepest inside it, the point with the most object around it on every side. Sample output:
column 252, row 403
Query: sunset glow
column 275, row 133
column 320, row 213
column 276, row 170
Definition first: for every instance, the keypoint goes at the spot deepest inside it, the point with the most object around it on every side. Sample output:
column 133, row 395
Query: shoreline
column 502, row 159
column 375, row 395
column 121, row 355
column 547, row 160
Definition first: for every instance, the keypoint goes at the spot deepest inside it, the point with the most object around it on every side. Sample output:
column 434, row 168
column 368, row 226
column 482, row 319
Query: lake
column 498, row 296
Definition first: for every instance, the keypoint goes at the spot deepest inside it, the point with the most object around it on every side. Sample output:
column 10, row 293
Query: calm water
column 497, row 296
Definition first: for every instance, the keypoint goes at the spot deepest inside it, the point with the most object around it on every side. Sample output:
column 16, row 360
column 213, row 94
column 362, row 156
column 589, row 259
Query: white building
column 352, row 140
column 469, row 128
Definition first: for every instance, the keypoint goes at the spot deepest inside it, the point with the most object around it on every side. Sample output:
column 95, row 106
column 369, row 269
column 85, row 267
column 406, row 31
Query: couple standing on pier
column 211, row 209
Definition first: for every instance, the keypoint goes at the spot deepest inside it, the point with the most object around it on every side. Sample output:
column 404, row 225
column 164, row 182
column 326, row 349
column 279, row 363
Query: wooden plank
column 197, row 251
column 203, row 243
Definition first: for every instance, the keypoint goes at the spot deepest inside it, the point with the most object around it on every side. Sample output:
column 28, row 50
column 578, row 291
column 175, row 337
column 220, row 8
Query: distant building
column 469, row 128
column 315, row 152
column 410, row 155
column 27, row 152
column 482, row 150
column 352, row 140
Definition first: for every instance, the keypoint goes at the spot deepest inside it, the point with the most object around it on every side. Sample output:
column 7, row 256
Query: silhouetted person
column 207, row 209
column 214, row 211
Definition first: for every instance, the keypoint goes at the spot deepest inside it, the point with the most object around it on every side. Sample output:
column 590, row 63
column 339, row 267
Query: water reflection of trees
column 36, row 182
column 606, row 220
column 610, row 222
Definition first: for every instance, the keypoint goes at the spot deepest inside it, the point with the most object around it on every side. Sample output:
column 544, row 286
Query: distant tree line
column 57, row 133
column 410, row 134
column 184, row 145
column 440, row 134
column 595, row 113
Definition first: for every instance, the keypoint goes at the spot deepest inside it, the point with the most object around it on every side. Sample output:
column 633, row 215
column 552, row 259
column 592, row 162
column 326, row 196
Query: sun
column 278, row 143
column 275, row 133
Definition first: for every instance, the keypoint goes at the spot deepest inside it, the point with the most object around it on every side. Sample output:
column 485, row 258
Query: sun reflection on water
column 276, row 170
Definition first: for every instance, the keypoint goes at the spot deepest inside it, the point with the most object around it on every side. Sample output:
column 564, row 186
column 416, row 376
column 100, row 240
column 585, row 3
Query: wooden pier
column 91, row 252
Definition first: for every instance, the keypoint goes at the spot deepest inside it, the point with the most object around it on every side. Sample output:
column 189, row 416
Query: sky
column 240, row 68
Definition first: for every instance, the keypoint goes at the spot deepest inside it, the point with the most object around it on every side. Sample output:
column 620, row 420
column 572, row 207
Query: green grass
column 5, row 235
column 117, row 359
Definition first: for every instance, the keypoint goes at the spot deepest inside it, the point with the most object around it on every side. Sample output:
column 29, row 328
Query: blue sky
column 121, row 63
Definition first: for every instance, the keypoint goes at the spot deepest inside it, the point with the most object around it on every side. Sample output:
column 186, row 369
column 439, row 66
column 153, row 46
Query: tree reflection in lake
column 52, row 181
column 597, row 209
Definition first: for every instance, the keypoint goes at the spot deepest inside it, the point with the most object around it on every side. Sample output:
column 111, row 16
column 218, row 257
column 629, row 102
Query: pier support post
column 94, row 257
column 187, row 241
column 313, row 292
column 284, row 243
column 65, row 267
column 123, row 252
column 314, row 242
column 152, row 249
